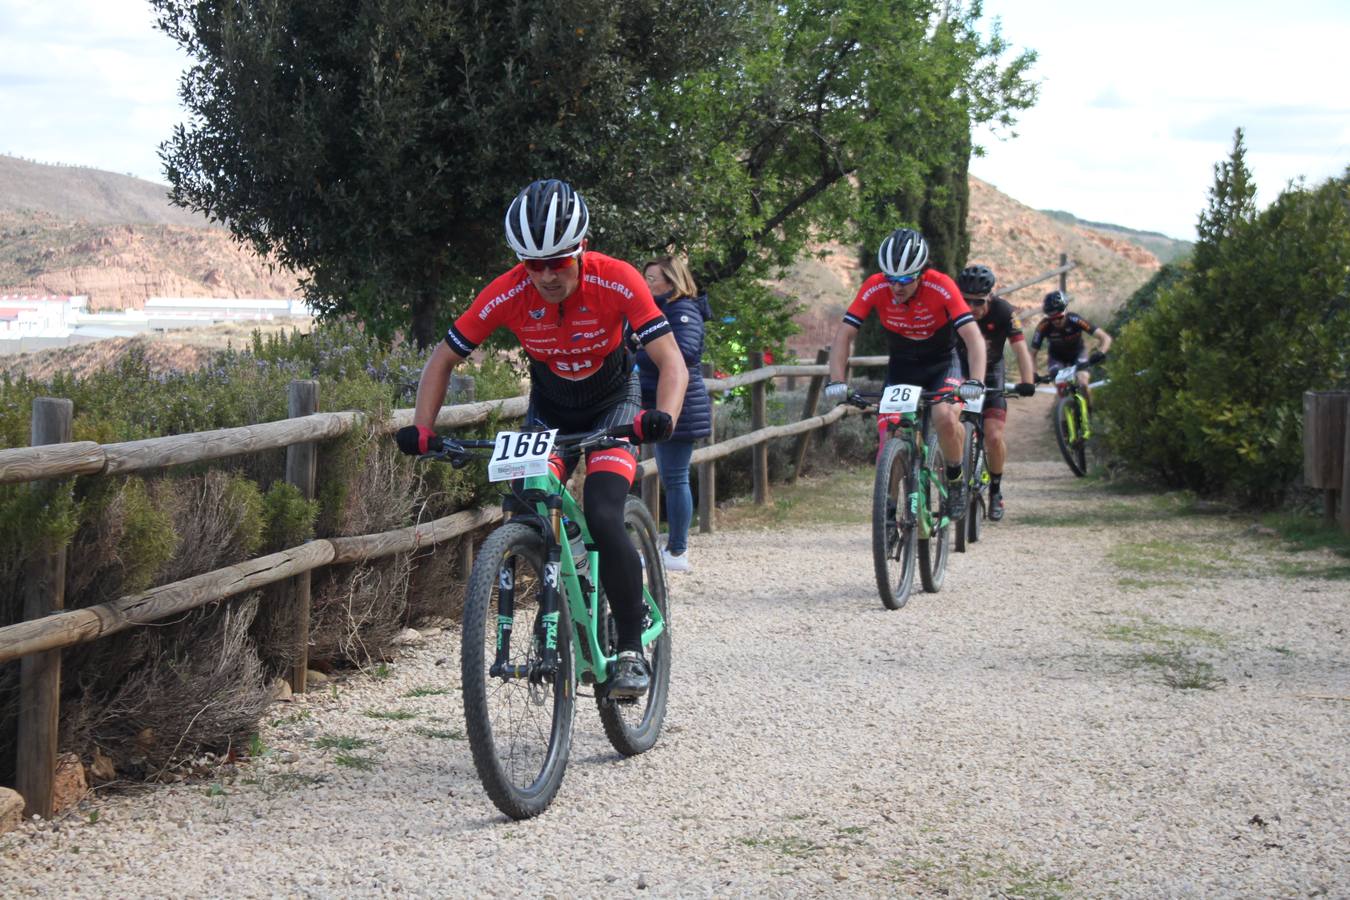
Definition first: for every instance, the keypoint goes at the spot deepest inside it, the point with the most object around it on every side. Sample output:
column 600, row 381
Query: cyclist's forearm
column 1026, row 366
column 672, row 375
column 1103, row 341
column 433, row 384
column 970, row 333
column 839, row 350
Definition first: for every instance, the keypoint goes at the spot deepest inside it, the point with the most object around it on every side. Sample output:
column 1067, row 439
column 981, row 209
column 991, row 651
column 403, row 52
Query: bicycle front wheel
column 979, row 488
column 1069, row 434
column 519, row 720
column 933, row 549
column 633, row 725
column 893, row 526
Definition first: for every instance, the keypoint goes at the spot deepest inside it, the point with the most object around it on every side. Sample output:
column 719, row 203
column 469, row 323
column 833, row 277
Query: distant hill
column 1013, row 239
column 73, row 193
column 117, row 240
column 1167, row 249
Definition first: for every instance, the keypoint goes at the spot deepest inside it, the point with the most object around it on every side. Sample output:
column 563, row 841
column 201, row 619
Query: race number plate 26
column 976, row 405
column 520, row 454
column 899, row 398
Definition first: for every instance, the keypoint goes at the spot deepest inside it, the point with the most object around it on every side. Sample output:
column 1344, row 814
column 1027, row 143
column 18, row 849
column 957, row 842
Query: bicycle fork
column 544, row 632
column 1072, row 422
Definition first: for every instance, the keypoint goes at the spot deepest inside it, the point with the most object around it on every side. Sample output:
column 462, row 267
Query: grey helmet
column 976, row 280
column 546, row 219
column 1055, row 302
column 905, row 252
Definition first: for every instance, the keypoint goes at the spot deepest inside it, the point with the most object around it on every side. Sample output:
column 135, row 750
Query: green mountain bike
column 536, row 624
column 909, row 521
column 976, row 466
column 1073, row 421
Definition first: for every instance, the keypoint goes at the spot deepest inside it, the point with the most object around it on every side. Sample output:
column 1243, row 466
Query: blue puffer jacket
column 686, row 316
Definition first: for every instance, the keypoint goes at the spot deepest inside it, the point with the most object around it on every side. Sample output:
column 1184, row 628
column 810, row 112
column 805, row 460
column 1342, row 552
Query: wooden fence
column 48, row 627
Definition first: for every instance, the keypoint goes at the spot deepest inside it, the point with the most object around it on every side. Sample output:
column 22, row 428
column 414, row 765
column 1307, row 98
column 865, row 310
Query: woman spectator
column 686, row 309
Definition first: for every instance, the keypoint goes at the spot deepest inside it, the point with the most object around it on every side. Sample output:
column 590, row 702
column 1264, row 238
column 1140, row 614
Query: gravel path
column 1113, row 695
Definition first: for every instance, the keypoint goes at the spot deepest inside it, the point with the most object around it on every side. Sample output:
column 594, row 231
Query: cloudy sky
column 1138, row 100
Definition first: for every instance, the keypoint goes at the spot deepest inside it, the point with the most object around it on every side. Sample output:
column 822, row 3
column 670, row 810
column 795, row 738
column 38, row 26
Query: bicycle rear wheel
column 893, row 528
column 633, row 725
column 933, row 550
column 979, row 489
column 519, row 729
column 1069, row 434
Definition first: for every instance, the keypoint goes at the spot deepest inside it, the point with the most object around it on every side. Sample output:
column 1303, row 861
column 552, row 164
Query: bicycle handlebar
column 865, row 399
column 460, row 453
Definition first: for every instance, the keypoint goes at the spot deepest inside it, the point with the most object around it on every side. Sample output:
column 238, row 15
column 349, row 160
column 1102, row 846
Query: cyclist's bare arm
column 433, row 384
column 1026, row 366
column 839, row 350
column 1103, row 340
column 672, row 377
column 970, row 333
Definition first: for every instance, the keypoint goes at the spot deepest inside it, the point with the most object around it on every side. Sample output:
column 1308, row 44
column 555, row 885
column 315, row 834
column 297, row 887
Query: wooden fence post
column 1064, row 276
column 651, row 486
column 707, row 472
column 1326, row 418
column 302, row 399
column 809, row 410
column 760, row 452
column 44, row 592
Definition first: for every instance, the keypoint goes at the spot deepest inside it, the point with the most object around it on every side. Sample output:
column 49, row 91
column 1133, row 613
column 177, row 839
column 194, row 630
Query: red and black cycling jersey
column 998, row 327
column 1065, row 336
column 923, row 328
column 578, row 355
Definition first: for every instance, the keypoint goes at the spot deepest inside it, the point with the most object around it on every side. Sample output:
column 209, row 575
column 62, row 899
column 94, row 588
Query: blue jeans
column 672, row 461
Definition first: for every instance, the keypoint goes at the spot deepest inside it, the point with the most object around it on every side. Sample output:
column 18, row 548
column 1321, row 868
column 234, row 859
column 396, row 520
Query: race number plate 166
column 899, row 398
column 520, row 454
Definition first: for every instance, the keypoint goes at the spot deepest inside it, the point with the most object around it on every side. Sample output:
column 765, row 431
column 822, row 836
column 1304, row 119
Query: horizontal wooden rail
column 751, row 376
column 79, row 626
column 726, row 448
column 1059, row 270
column 87, row 458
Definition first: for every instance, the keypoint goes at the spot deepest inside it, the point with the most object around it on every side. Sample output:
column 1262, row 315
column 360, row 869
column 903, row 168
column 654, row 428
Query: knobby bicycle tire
column 979, row 498
column 633, row 726
column 893, row 547
column 1072, row 450
column 493, row 707
column 933, row 550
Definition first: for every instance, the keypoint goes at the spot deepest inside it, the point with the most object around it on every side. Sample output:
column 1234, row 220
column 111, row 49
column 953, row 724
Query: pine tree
column 1232, row 204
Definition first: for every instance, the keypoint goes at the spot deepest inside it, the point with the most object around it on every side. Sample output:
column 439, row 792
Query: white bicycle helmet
column 905, row 252
column 546, row 219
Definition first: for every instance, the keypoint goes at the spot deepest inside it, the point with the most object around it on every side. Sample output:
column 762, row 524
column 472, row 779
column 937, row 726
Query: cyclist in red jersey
column 923, row 313
column 568, row 307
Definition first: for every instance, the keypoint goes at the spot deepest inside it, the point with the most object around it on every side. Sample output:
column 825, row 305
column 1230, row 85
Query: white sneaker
column 675, row 563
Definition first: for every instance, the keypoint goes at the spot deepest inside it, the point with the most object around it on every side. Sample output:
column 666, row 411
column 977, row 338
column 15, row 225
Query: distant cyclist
column 998, row 324
column 568, row 307
column 1064, row 331
column 923, row 314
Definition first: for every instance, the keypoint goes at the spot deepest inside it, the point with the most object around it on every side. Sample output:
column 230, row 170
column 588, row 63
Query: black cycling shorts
column 930, row 376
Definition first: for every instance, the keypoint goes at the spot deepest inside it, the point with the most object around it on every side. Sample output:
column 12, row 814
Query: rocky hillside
column 116, row 239
column 1016, row 241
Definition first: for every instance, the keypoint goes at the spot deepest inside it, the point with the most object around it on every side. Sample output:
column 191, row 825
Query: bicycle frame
column 906, row 430
column 1073, row 389
column 561, row 576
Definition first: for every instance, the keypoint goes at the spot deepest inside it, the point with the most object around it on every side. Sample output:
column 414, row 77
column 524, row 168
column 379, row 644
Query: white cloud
column 1139, row 101
column 87, row 82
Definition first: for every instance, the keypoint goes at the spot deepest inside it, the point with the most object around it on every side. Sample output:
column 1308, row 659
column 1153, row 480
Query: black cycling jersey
column 1065, row 336
column 998, row 326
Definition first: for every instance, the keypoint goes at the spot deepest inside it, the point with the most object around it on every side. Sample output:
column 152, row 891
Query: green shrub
column 1207, row 382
